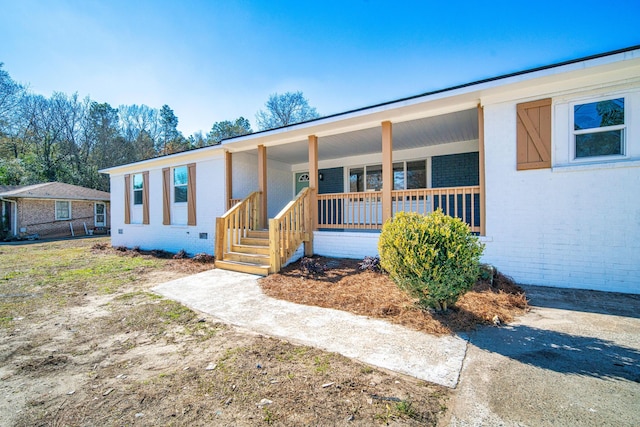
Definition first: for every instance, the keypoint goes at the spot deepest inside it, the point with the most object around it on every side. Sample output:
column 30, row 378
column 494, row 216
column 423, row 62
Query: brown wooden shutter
column 145, row 197
column 166, row 196
column 127, row 199
column 191, row 196
column 534, row 135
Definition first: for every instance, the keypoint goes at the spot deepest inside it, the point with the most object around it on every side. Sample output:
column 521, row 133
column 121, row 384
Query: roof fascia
column 168, row 160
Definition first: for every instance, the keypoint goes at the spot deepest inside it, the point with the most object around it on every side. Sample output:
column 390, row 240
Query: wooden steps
column 241, row 267
column 250, row 256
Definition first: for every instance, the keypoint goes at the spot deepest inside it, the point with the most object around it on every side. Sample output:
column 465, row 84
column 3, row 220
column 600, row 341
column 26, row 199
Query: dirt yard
column 83, row 342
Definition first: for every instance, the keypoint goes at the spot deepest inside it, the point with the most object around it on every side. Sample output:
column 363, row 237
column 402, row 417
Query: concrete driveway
column 574, row 360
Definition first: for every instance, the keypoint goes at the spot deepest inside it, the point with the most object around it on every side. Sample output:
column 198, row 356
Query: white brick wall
column 565, row 227
column 345, row 244
column 210, row 177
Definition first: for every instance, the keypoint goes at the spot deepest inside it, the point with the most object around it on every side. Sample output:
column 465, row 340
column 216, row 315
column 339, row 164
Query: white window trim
column 56, row 210
column 95, row 214
column 572, row 132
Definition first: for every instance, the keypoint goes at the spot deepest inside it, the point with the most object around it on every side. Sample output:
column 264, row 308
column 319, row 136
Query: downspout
column 14, row 217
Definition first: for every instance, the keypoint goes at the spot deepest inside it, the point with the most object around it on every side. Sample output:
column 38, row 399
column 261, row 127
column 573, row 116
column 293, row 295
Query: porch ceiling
column 446, row 128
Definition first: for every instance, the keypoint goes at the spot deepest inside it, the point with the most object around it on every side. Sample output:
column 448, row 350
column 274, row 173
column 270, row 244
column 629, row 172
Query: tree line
column 69, row 139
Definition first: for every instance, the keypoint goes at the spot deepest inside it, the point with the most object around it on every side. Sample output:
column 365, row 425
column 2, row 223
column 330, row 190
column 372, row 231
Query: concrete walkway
column 236, row 298
column 574, row 359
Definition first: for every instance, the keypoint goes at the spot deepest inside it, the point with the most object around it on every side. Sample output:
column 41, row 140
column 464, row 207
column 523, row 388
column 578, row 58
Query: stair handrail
column 236, row 222
column 289, row 229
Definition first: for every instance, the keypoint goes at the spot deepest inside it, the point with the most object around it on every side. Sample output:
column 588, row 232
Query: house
column 544, row 165
column 52, row 209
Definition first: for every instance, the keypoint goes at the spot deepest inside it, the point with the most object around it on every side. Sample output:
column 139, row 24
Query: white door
column 100, row 219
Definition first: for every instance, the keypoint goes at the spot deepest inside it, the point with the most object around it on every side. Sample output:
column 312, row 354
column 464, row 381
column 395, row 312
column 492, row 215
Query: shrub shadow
column 561, row 352
column 612, row 303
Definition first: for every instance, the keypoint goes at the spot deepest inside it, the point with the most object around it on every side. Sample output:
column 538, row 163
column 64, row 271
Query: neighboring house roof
column 53, row 190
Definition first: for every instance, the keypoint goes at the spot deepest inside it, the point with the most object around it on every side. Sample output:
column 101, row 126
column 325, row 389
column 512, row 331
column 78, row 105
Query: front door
column 101, row 215
column 302, row 181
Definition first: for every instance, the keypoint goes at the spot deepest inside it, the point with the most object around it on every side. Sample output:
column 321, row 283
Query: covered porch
column 353, row 180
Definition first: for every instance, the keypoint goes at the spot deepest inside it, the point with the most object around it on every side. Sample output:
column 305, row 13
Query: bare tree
column 285, row 109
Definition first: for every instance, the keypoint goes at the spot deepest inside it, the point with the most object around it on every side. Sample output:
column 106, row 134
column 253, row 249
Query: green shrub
column 434, row 258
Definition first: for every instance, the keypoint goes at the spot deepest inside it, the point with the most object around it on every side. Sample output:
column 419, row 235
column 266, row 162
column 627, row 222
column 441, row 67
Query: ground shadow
column 612, row 303
column 330, row 270
column 561, row 352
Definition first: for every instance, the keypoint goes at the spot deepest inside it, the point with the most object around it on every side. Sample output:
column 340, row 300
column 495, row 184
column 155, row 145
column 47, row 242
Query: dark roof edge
column 452, row 88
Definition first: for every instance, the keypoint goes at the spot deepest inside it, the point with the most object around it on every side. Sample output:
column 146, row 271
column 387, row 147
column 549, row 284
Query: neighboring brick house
column 48, row 210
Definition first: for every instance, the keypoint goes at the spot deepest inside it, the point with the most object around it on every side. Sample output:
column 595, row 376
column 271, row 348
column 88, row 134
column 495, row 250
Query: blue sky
column 218, row 60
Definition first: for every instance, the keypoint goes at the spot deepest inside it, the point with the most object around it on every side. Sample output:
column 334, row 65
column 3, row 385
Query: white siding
column 279, row 180
column 209, row 205
column 577, row 228
column 244, row 172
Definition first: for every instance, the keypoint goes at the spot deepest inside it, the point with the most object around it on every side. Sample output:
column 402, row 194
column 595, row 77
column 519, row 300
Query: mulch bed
column 344, row 286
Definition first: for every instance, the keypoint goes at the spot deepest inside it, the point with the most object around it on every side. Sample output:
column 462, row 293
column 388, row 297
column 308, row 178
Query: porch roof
column 452, row 127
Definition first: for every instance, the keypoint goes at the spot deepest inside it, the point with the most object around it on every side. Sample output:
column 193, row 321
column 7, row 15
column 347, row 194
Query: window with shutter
column 534, row 135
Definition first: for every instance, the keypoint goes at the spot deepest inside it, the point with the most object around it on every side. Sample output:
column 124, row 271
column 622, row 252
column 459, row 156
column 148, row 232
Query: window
column 367, row 178
column 406, row 175
column 100, row 215
column 63, row 210
column 374, row 178
column 356, row 180
column 137, row 189
column 180, row 184
column 416, row 175
column 599, row 129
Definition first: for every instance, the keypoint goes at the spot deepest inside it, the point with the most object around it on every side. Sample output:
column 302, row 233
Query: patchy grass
column 344, row 286
column 84, row 342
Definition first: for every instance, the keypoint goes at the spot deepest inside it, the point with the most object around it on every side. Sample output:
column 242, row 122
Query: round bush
column 434, row 258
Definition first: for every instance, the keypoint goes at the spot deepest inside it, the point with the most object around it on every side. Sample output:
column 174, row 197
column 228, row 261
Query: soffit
column 424, row 132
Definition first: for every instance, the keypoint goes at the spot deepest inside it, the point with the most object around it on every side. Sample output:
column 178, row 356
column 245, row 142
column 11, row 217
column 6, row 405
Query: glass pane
column 356, row 180
column 180, row 194
column 137, row 181
column 180, row 176
column 99, row 208
column 599, row 114
column 398, row 176
column 607, row 143
column 137, row 197
column 416, row 175
column 374, row 178
column 100, row 219
column 62, row 210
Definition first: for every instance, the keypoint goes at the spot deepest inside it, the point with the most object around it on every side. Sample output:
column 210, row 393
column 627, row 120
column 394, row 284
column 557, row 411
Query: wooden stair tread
column 243, row 267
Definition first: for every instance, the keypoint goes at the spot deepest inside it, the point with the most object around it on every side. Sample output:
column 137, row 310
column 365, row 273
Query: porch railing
column 232, row 202
column 289, row 229
column 236, row 222
column 350, row 210
column 364, row 210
